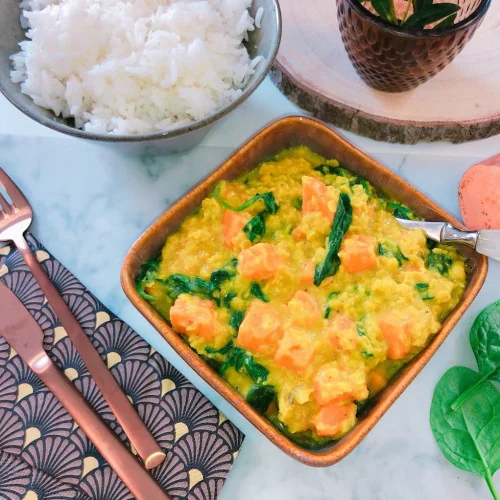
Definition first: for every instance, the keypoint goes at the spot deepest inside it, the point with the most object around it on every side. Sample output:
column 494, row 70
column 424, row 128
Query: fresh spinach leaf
column 400, row 211
column 268, row 199
column 439, row 262
column 388, row 250
column 430, row 14
column 485, row 343
column 341, row 223
column 468, row 436
column 256, row 291
column 255, row 227
column 260, row 397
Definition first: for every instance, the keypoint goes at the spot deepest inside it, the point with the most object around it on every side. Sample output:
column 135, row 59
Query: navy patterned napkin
column 45, row 455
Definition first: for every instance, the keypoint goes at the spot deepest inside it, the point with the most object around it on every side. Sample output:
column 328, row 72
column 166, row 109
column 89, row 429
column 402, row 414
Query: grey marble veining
column 91, row 204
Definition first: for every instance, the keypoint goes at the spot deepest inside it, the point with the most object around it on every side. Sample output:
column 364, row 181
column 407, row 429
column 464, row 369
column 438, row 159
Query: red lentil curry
column 299, row 286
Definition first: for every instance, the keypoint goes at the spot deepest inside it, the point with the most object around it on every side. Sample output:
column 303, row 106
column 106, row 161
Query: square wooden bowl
column 282, row 134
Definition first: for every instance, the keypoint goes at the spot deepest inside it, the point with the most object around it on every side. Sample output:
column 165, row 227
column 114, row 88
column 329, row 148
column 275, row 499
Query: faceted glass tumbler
column 395, row 59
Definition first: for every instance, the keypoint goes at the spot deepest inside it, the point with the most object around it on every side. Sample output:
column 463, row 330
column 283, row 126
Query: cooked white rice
column 128, row 67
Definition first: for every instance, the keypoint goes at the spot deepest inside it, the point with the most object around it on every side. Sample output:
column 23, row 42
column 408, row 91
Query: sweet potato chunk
column 358, row 253
column 376, row 382
column 304, row 309
column 259, row 262
column 307, row 273
column 232, row 225
column 335, row 419
column 261, row 329
column 342, row 333
column 295, row 351
column 336, row 383
column 315, row 198
column 193, row 316
column 396, row 330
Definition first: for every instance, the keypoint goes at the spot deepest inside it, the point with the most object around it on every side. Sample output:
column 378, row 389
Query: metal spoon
column 485, row 241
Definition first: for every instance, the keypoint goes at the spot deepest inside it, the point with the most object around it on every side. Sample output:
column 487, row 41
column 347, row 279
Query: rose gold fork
column 15, row 219
column 25, row 336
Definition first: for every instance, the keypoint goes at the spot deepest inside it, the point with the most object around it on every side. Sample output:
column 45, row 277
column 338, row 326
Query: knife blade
column 25, row 336
column 485, row 241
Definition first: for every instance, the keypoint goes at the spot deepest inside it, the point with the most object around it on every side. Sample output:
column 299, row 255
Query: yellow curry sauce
column 307, row 328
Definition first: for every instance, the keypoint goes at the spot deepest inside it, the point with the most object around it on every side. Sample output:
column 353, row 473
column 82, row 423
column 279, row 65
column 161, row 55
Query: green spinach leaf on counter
column 485, row 343
column 469, row 437
column 341, row 223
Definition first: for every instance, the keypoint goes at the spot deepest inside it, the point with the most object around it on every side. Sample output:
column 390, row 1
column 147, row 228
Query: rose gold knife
column 25, row 336
column 15, row 219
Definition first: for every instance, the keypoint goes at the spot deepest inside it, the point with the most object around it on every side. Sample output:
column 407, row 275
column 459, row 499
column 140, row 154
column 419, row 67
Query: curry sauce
column 299, row 286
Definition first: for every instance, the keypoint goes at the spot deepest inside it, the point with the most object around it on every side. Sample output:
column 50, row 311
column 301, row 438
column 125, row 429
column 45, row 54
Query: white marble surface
column 91, row 204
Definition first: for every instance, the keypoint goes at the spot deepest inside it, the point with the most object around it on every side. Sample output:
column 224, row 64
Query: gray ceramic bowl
column 263, row 41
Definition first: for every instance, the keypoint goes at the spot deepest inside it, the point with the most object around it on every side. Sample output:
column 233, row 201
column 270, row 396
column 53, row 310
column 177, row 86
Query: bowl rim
column 420, row 33
column 160, row 135
column 137, row 254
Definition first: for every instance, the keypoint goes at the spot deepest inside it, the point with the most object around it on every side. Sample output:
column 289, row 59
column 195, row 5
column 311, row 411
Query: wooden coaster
column 460, row 104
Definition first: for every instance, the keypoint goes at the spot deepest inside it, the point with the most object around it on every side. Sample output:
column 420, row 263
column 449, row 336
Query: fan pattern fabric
column 45, row 455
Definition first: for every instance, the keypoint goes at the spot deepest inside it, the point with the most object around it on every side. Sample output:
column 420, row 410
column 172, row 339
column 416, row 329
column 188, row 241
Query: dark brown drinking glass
column 393, row 58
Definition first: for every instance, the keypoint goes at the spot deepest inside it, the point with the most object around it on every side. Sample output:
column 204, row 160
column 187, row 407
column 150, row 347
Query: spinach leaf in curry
column 439, row 262
column 147, row 274
column 341, row 223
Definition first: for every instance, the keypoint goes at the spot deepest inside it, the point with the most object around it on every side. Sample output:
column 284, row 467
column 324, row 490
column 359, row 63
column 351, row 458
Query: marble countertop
column 91, row 204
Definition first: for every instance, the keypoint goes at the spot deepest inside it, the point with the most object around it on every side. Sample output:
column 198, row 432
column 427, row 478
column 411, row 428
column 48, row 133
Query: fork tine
column 4, row 206
column 13, row 191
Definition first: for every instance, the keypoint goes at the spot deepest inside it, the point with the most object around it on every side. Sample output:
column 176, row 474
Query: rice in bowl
column 134, row 67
